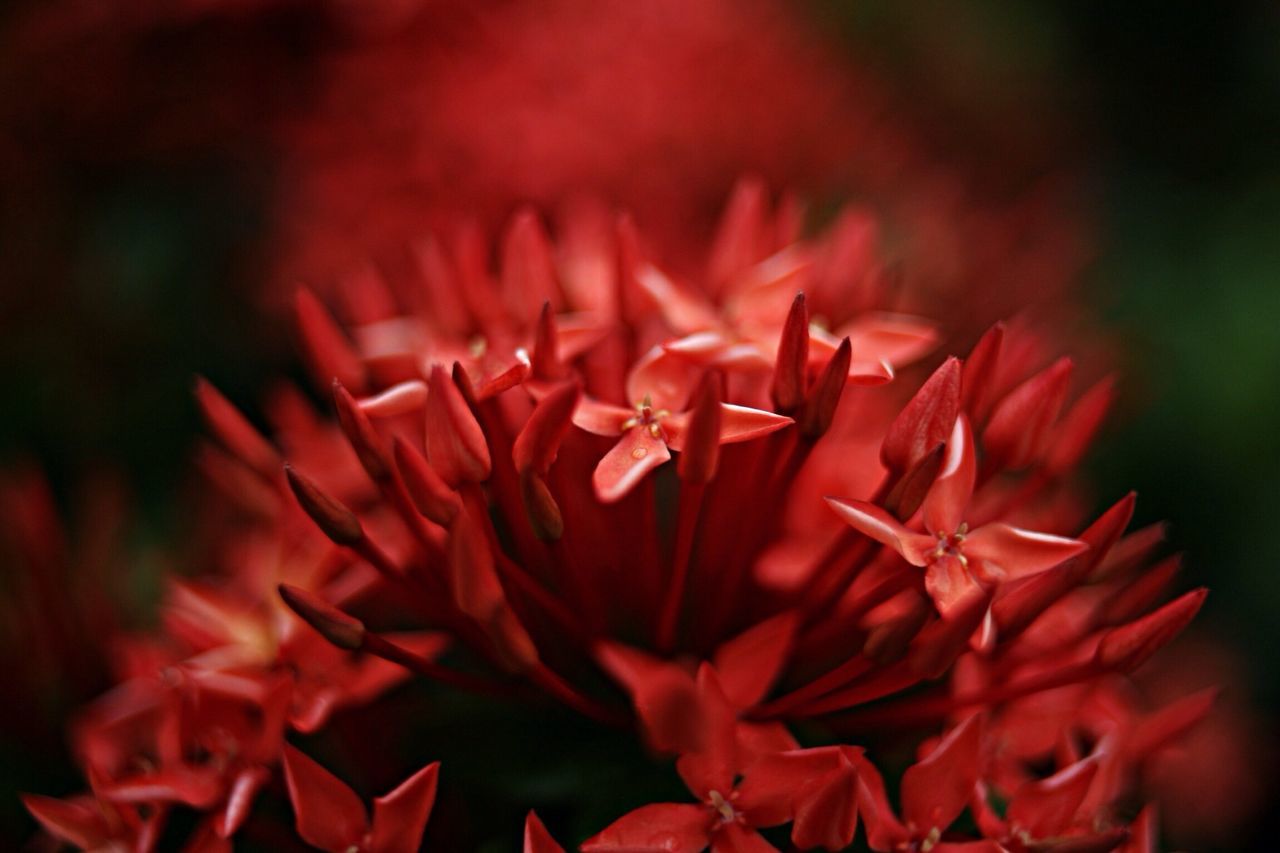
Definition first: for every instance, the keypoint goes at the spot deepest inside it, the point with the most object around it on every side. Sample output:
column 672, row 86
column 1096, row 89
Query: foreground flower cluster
column 701, row 511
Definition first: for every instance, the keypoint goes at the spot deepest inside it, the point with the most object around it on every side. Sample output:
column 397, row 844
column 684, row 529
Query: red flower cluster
column 498, row 478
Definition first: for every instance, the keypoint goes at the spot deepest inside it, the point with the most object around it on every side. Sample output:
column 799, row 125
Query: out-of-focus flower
column 476, row 490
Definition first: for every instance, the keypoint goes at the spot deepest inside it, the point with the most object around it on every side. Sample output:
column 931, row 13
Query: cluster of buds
column 500, row 477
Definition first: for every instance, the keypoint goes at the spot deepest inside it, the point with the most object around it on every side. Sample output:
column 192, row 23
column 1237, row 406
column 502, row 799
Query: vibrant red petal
column 734, row 838
column 199, row 788
column 767, row 792
column 665, row 379
column 400, row 816
column 528, row 274
column 1017, row 552
column 713, row 765
column 244, row 790
column 329, row 352
column 980, row 372
column 636, row 454
column 1021, row 423
column 1129, row 646
column 893, row 338
column 685, row 312
column 742, row 238
column 666, row 697
column 456, row 445
column 401, row 399
column 430, row 495
column 826, row 812
column 536, row 837
column 657, row 828
column 874, row 522
column 737, row 423
column 329, row 814
column 884, row 831
column 77, row 823
column 936, row 788
column 1048, row 807
column 927, row 421
column 749, row 663
column 948, row 499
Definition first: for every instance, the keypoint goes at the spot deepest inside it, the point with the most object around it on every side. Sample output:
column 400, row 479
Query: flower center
column 648, row 417
column 722, row 806
column 949, row 545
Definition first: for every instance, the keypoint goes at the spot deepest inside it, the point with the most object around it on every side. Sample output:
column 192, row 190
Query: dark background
column 135, row 272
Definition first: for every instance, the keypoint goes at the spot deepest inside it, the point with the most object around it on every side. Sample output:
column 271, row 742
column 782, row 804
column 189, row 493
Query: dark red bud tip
column 539, row 440
column 701, row 454
column 926, row 421
column 791, row 369
column 544, row 512
column 431, row 495
column 333, row 518
column 820, row 408
column 1128, row 647
column 343, row 630
column 234, row 431
column 456, row 445
column 545, row 359
column 360, row 434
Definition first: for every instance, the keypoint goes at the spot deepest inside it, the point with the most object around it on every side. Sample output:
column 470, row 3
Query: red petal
column 539, row 440
column 927, row 421
column 666, row 697
column 742, row 238
column 893, row 338
column 737, row 423
column 874, row 522
column 767, row 792
column 401, row 399
column 329, row 814
column 713, row 765
column 657, row 828
column 400, row 816
column 1079, row 426
column 980, row 372
column 827, row 811
column 545, row 362
column 78, row 823
column 637, row 453
column 430, row 495
column 824, row 397
column 536, row 837
column 936, row 789
column 684, row 312
column 199, row 788
column 456, row 446
column 244, row 789
column 948, row 497
column 1017, row 552
column 884, row 831
column 666, row 379
column 734, row 838
column 1048, row 807
column 749, row 663
column 601, row 418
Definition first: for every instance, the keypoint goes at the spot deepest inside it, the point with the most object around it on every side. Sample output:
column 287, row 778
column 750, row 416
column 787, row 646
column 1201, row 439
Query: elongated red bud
column 1130, row 552
column 341, row 629
column 332, row 517
column 906, row 497
column 539, row 440
column 1105, row 532
column 701, row 452
column 1079, row 427
column 234, row 431
column 528, row 273
column 1172, row 722
column 431, row 495
column 456, row 446
column 925, row 422
column 790, row 372
column 1128, row 647
column 545, row 360
column 820, row 408
column 1139, row 594
column 536, row 837
column 543, row 511
column 364, row 439
column 743, row 232
column 980, row 370
column 328, row 351
column 1022, row 422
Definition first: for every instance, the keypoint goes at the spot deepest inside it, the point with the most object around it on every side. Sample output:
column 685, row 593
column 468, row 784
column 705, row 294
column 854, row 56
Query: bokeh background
column 141, row 166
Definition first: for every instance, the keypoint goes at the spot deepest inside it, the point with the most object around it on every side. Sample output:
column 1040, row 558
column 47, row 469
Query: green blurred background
column 136, row 273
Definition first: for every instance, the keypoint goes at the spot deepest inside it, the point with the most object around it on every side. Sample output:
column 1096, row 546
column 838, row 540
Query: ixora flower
column 583, row 482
